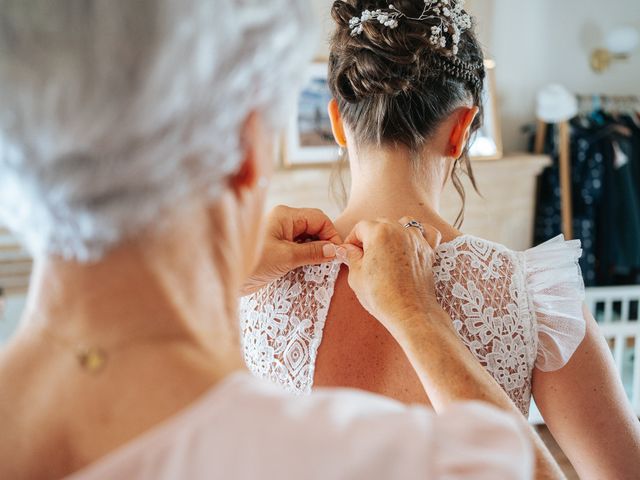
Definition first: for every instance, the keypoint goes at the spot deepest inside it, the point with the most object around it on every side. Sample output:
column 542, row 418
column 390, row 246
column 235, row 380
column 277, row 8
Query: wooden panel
column 15, row 265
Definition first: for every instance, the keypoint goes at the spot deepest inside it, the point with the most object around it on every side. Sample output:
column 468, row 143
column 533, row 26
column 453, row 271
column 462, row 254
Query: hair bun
column 366, row 76
column 384, row 58
column 383, row 63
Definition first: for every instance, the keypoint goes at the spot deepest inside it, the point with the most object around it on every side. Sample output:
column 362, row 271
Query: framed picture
column 487, row 142
column 309, row 141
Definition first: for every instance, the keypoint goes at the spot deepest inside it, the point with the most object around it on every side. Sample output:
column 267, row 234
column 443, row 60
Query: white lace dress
column 513, row 310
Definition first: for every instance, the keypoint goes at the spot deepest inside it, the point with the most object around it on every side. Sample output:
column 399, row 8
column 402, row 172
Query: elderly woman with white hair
column 134, row 155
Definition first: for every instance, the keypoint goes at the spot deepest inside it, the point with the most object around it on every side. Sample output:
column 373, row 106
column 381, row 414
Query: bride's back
column 358, row 352
column 513, row 310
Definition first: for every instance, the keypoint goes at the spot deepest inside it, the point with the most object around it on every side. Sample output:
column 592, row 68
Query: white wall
column 536, row 42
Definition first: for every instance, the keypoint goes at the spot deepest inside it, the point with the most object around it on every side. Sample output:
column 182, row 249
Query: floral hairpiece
column 453, row 21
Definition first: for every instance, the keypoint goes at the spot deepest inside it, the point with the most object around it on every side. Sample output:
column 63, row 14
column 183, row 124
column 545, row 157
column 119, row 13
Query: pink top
column 245, row 428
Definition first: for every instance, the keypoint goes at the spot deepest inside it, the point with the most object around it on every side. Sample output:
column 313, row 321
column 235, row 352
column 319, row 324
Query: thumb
column 313, row 253
column 354, row 254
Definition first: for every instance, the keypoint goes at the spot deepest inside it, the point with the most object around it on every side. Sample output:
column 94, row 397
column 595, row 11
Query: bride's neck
column 392, row 184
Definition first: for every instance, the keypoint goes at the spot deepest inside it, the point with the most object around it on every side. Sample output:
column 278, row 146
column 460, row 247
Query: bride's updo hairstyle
column 396, row 82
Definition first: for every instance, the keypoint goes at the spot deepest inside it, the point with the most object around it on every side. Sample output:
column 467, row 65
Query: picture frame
column 486, row 144
column 309, row 143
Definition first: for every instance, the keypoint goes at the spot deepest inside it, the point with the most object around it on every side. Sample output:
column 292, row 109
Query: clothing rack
column 608, row 103
column 565, row 171
column 586, row 104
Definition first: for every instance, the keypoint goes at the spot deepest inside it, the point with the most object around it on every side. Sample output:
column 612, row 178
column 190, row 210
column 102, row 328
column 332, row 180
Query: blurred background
column 560, row 152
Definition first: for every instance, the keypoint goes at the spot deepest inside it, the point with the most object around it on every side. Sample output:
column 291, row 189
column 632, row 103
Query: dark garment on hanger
column 631, row 147
column 634, row 125
column 587, row 173
column 605, row 168
column 618, row 249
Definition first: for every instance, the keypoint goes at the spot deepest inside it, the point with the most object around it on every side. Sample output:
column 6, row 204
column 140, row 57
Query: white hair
column 113, row 112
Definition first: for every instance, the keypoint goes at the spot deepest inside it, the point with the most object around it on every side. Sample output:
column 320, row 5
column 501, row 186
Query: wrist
column 409, row 324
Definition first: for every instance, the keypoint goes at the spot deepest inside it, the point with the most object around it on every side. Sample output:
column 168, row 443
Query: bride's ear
column 336, row 123
column 461, row 131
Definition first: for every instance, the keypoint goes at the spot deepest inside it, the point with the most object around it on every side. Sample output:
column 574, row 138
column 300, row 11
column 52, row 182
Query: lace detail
column 500, row 302
column 479, row 285
column 282, row 325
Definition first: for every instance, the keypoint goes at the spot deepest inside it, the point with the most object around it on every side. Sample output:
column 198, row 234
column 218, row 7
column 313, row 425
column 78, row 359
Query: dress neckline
column 468, row 237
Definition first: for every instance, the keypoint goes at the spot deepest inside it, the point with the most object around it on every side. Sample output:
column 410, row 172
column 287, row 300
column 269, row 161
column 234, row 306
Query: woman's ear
column 256, row 158
column 336, row 123
column 461, row 131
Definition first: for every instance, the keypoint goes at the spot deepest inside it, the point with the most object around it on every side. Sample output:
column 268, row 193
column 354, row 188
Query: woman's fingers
column 314, row 253
column 351, row 255
column 359, row 233
column 390, row 268
column 287, row 244
column 431, row 234
column 315, row 223
column 366, row 229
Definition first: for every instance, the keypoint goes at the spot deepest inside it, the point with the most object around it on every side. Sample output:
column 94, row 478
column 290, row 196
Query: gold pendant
column 93, row 360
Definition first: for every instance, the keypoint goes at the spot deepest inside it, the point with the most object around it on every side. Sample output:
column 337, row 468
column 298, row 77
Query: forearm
column 587, row 410
column 450, row 373
column 447, row 369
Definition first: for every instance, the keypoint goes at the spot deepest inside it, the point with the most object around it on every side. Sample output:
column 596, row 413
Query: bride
column 407, row 82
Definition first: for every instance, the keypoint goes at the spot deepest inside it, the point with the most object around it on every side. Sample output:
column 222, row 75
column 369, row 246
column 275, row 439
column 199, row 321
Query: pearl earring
column 340, row 152
column 263, row 183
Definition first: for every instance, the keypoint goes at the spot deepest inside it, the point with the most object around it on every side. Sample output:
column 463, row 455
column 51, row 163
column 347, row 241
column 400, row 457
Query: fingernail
column 329, row 251
column 341, row 254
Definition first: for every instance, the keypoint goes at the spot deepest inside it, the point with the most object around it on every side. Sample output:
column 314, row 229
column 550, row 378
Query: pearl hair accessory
column 452, row 20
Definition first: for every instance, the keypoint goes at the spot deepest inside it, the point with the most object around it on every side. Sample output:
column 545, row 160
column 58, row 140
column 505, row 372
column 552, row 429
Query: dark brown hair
column 393, row 87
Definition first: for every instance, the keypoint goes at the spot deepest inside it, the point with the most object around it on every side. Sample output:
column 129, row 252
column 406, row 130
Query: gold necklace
column 91, row 359
column 94, row 359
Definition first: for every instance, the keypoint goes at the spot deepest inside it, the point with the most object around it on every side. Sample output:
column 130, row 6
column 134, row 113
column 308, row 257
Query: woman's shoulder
column 468, row 242
column 556, row 291
column 544, row 283
column 471, row 257
column 475, row 252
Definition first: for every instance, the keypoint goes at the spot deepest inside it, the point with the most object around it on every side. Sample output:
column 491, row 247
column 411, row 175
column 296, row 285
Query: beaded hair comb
column 452, row 21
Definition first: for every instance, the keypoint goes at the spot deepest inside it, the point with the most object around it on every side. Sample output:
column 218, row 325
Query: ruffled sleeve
column 556, row 294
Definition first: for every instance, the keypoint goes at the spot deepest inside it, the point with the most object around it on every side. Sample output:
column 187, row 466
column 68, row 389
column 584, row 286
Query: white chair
column 617, row 310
